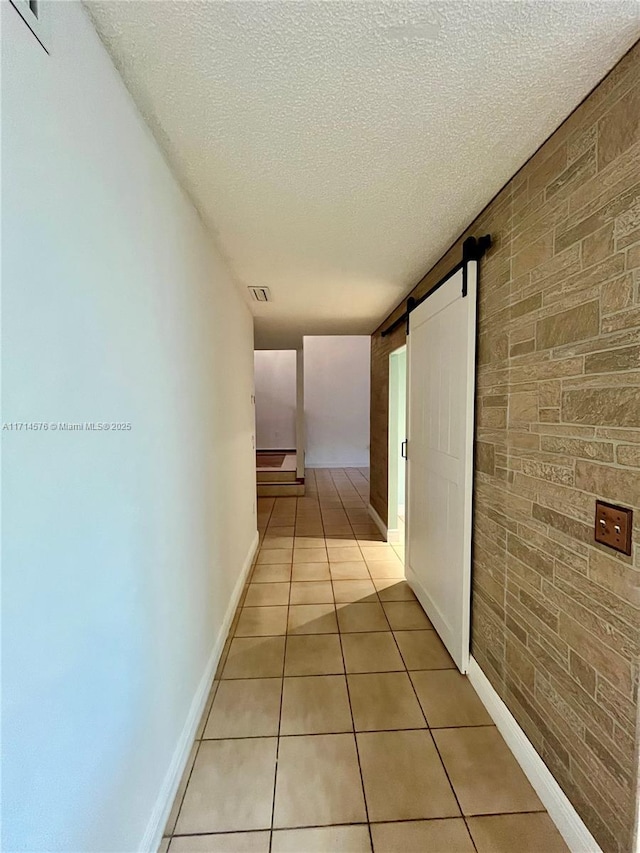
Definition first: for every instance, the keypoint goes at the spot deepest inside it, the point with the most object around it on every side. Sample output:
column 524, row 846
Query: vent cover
column 260, row 294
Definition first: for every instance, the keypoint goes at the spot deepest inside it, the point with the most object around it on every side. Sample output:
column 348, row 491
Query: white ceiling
column 336, row 149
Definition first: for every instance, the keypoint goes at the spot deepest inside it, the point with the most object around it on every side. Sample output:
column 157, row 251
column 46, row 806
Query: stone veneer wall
column 555, row 617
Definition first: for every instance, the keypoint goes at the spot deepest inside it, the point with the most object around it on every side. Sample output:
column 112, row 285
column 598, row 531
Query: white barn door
column 441, row 388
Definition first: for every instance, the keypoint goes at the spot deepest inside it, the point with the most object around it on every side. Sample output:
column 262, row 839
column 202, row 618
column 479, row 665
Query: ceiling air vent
column 260, row 294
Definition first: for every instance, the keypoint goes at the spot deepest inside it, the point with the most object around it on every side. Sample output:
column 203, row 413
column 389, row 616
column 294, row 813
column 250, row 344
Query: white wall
column 275, row 380
column 336, row 400
column 121, row 550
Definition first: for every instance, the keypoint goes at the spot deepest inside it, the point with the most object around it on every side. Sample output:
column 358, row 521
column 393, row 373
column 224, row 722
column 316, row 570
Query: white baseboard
column 382, row 527
column 160, row 814
column 569, row 823
column 393, row 535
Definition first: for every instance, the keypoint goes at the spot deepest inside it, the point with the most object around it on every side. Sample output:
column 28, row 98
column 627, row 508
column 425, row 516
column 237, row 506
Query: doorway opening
column 397, row 436
column 278, row 406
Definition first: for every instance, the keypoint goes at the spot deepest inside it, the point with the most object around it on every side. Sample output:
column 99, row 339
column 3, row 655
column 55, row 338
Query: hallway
column 334, row 686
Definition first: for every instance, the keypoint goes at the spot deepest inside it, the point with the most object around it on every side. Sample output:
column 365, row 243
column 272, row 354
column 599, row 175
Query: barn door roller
column 472, row 250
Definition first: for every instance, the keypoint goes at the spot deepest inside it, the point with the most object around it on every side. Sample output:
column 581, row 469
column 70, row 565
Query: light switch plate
column 613, row 526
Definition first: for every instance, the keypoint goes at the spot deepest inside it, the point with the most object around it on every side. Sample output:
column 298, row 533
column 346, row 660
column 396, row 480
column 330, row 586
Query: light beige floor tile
column 318, row 782
column 274, row 540
column 526, row 833
column 423, row 650
column 358, row 617
column 182, row 787
column 225, row 653
column 234, row 842
column 384, row 700
column 309, row 530
column 311, row 519
column 349, row 571
column 403, row 777
column 306, row 542
column 447, row 835
column 375, row 553
column 311, row 592
column 312, row 619
column 310, row 555
column 316, row 704
column 335, row 518
column 262, row 622
column 264, row 594
column 255, row 657
column 245, row 708
column 341, row 540
column 280, row 573
column 375, row 652
column 280, row 529
column 393, row 589
column 326, row 839
column 448, row 699
column 274, row 556
column 368, row 535
column 357, row 513
column 345, row 554
column 313, row 654
column 337, row 528
column 164, row 845
column 362, row 591
column 311, row 572
column 231, row 787
column 207, row 708
column 486, row 777
column 406, row 615
column 386, row 569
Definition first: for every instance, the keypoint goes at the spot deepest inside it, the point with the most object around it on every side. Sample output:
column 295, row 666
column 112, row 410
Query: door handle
column 403, row 449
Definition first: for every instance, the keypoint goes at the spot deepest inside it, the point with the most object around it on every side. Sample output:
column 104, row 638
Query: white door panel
column 441, row 384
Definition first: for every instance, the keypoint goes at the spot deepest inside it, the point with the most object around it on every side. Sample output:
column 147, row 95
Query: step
column 276, row 476
column 281, row 490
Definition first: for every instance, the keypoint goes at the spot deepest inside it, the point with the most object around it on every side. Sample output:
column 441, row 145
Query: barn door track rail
column 473, row 249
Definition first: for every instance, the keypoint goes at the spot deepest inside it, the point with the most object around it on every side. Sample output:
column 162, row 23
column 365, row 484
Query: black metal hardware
column 472, row 250
column 411, row 304
column 403, row 449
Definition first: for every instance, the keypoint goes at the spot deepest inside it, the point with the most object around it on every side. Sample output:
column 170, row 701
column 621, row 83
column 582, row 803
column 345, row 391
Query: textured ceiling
column 336, row 149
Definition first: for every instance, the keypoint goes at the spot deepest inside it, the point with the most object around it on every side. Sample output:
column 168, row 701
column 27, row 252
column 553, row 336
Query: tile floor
column 337, row 721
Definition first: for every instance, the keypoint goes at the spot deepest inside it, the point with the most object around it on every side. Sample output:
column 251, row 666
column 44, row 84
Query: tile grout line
column 433, row 740
column 201, row 738
column 353, row 722
column 220, row 668
column 348, row 731
column 284, row 663
column 406, row 820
